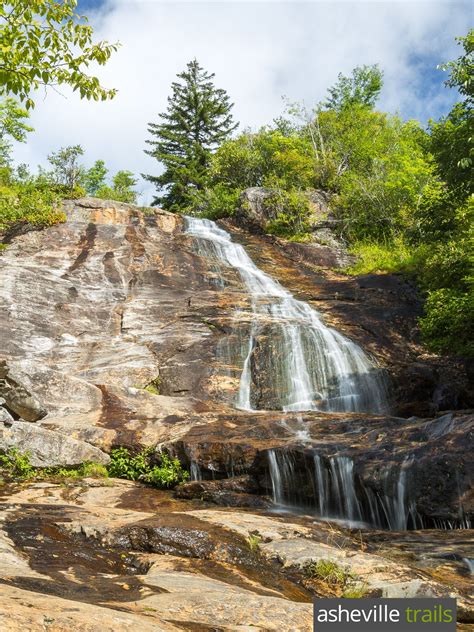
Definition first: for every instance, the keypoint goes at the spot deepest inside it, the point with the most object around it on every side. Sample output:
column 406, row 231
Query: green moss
column 357, row 591
column 153, row 387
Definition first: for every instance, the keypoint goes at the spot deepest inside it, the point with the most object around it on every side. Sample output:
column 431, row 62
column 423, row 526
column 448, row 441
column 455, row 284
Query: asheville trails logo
column 385, row 615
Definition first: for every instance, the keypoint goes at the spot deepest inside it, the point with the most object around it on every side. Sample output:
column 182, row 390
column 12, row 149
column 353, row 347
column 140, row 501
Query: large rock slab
column 143, row 555
column 46, row 447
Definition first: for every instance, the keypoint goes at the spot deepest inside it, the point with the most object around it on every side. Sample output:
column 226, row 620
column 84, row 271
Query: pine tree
column 198, row 119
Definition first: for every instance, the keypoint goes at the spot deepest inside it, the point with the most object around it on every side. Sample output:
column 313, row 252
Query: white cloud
column 259, row 52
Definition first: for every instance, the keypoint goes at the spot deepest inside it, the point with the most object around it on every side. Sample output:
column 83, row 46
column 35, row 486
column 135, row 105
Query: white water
column 315, row 367
column 469, row 563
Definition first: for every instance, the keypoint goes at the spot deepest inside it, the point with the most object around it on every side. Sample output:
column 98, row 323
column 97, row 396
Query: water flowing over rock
column 97, row 308
column 339, row 494
column 124, row 327
column 309, row 365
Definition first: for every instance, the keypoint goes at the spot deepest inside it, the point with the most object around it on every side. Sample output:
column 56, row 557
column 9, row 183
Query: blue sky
column 259, row 52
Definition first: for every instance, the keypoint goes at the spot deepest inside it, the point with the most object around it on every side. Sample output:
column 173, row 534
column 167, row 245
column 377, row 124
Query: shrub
column 17, row 464
column 29, row 205
column 85, row 470
column 153, row 387
column 291, row 211
column 168, row 474
column 389, row 256
column 142, row 466
column 357, row 591
column 217, row 202
column 253, row 541
column 448, row 324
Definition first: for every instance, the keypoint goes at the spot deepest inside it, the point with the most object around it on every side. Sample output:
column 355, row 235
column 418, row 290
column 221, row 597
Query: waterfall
column 195, row 472
column 333, row 491
column 313, row 367
column 469, row 563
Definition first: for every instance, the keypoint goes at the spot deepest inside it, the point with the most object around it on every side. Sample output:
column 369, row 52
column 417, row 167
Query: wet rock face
column 116, row 299
column 402, row 473
column 134, row 558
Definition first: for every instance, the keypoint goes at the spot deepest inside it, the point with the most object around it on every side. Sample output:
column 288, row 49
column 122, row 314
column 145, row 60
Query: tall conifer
column 198, row 119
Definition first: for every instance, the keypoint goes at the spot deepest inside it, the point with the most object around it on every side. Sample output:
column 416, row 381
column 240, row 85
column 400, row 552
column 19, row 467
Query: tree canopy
column 13, row 126
column 46, row 43
column 197, row 120
column 361, row 88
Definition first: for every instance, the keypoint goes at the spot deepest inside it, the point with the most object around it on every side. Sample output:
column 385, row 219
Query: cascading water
column 333, row 490
column 314, row 367
column 309, row 367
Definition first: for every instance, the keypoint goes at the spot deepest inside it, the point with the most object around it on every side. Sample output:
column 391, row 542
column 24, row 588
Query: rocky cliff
column 96, row 309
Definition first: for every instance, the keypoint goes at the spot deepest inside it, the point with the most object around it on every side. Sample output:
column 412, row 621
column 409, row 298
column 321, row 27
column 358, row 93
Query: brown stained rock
column 36, row 612
column 139, row 552
column 99, row 307
column 232, row 492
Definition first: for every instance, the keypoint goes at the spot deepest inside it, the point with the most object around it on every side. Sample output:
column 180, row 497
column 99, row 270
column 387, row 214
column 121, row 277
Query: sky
column 259, row 52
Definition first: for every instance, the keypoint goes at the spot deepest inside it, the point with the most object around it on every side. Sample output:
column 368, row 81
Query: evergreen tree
column 198, row 119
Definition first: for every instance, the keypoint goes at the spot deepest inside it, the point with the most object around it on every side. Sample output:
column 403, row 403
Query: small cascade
column 195, row 472
column 469, row 562
column 336, row 492
column 309, row 366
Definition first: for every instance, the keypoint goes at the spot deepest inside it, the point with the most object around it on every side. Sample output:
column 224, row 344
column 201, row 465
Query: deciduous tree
column 46, row 43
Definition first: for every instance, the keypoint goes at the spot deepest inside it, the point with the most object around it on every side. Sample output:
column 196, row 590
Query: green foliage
column 66, row 168
column 361, row 89
column 462, row 69
column 84, row 470
column 121, row 189
column 153, row 387
column 291, row 210
column 94, row 178
column 379, row 168
column 197, row 120
column 28, row 204
column 254, row 540
column 16, row 464
column 12, row 127
column 448, row 325
column 264, row 159
column 168, row 474
column 452, row 144
column 46, row 43
column 142, row 466
column 384, row 257
column 356, row 591
column 329, row 572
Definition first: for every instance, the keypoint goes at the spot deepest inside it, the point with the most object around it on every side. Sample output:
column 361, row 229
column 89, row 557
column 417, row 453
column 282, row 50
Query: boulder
column 256, row 209
column 48, row 448
column 232, row 492
column 16, row 397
